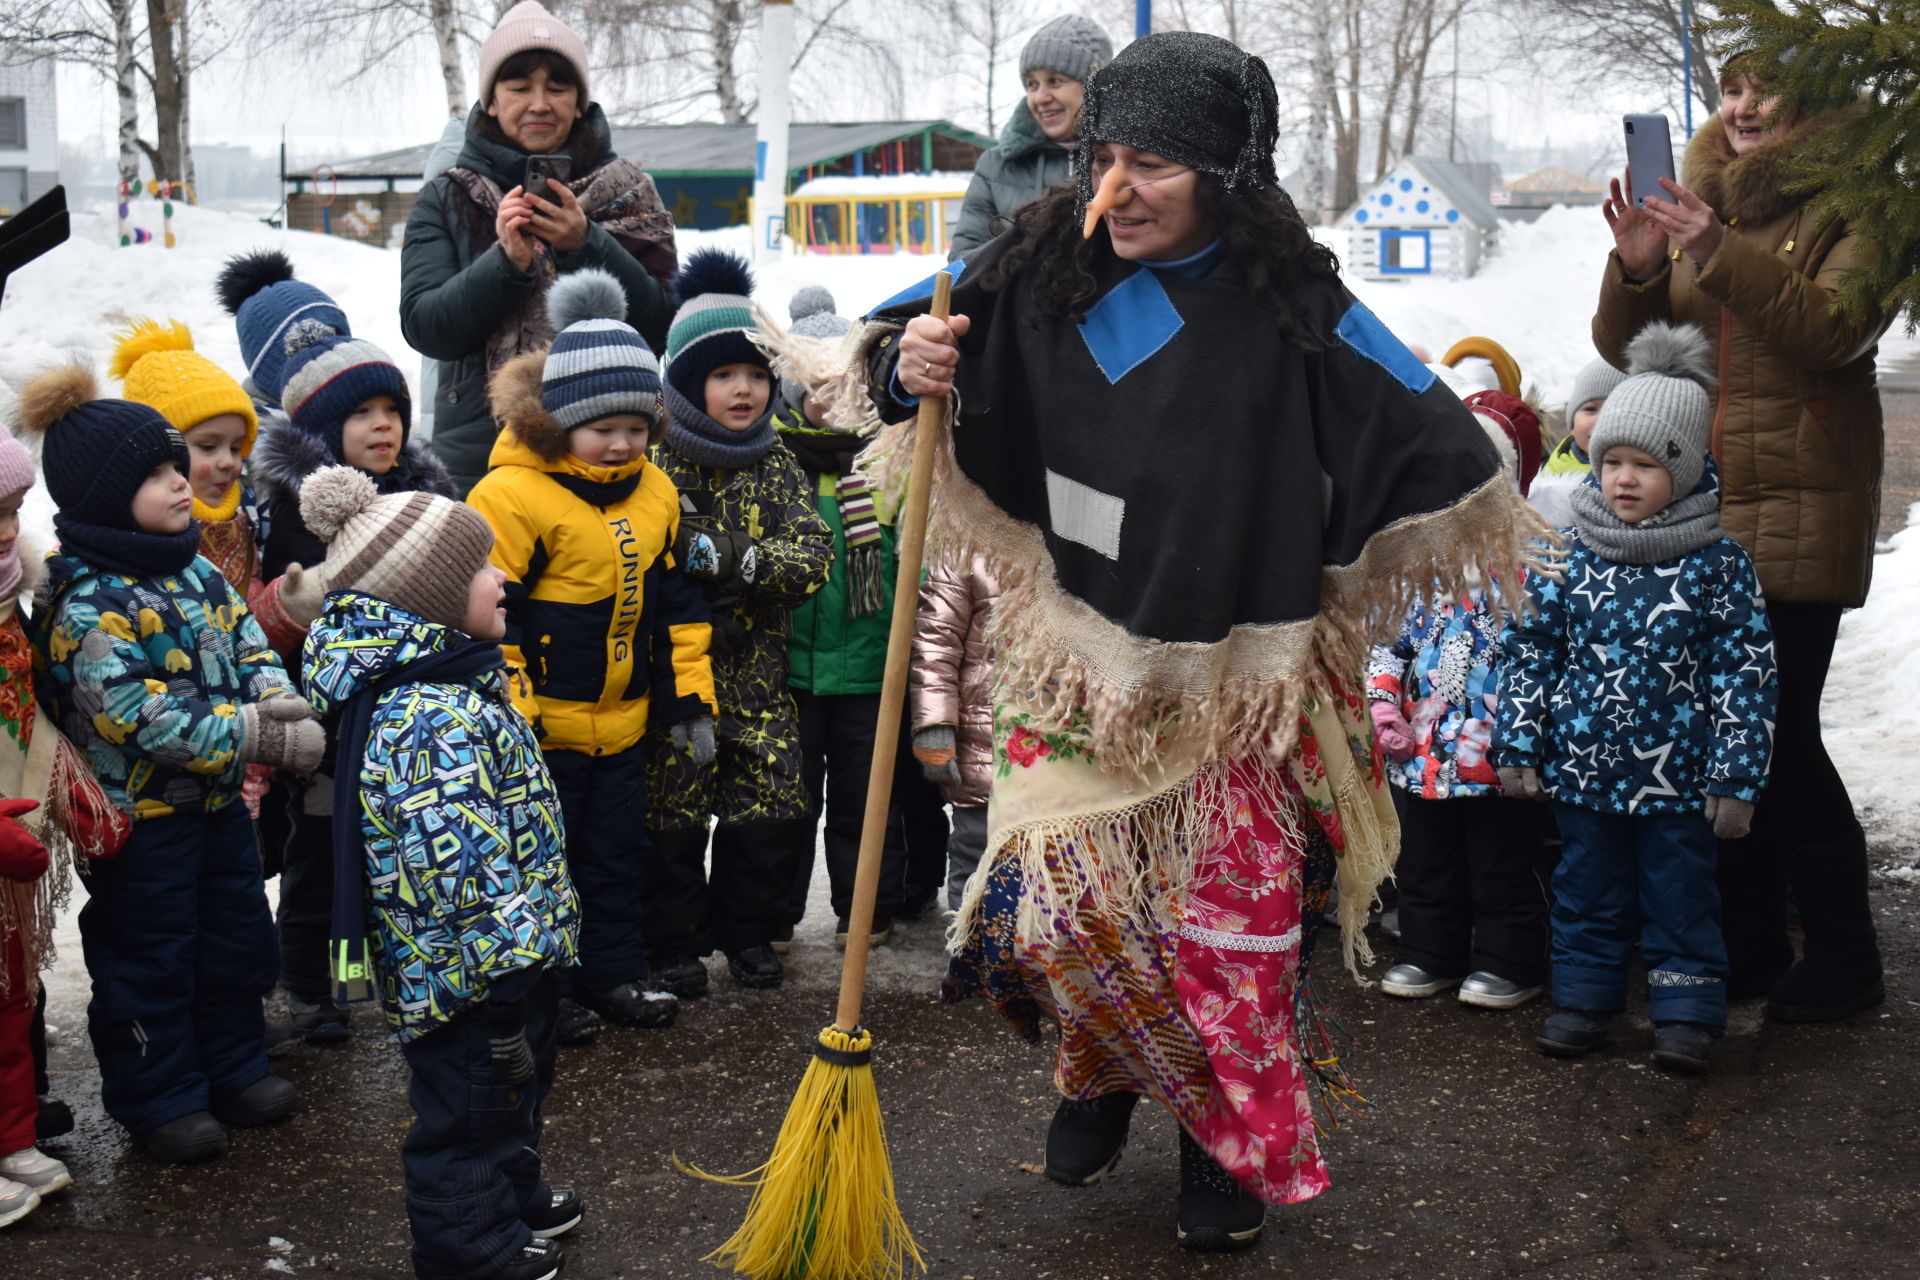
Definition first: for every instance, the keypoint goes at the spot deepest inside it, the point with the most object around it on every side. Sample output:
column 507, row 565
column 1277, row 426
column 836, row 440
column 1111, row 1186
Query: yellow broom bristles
column 823, row 1206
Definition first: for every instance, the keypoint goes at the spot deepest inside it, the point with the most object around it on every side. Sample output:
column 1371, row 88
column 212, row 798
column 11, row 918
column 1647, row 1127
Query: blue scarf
column 135, row 553
column 706, row 443
column 352, row 977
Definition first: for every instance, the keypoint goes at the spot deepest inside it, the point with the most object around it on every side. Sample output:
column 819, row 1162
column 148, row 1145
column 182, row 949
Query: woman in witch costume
column 1202, row 472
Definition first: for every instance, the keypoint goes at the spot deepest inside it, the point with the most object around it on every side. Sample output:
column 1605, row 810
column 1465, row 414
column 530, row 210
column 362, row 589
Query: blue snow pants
column 472, row 1157
column 1653, row 876
column 181, row 948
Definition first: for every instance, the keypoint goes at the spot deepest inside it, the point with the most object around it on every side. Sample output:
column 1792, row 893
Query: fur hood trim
column 286, row 456
column 514, row 393
column 1750, row 188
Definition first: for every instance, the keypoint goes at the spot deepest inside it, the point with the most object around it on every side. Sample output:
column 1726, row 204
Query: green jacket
column 831, row 653
column 457, row 288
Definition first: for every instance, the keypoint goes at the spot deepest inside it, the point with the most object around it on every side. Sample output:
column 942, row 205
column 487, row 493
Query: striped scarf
column 866, row 561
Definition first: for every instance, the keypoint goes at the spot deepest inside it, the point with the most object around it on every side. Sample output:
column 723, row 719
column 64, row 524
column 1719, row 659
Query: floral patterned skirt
column 1198, row 1010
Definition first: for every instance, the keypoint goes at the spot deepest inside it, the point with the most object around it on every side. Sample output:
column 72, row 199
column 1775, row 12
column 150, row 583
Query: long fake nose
column 1113, row 193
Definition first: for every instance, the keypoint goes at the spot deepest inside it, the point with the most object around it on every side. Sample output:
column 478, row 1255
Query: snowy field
column 1535, row 297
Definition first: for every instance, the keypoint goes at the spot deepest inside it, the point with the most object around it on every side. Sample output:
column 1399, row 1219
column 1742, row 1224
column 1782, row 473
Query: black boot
column 756, row 967
column 1217, row 1214
column 1085, row 1139
column 54, row 1119
column 575, row 1024
column 189, row 1138
column 680, row 973
column 537, row 1260
column 631, row 1004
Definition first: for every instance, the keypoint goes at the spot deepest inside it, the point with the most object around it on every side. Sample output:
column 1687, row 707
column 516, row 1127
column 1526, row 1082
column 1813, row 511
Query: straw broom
column 823, row 1206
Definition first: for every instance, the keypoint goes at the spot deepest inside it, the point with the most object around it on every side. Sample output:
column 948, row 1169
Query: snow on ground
column 1534, row 296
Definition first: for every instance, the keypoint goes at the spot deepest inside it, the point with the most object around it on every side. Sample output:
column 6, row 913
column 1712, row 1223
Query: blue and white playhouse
column 1425, row 218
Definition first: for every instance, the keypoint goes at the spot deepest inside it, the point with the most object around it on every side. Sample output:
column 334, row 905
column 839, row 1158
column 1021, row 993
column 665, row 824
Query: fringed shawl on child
column 1199, row 526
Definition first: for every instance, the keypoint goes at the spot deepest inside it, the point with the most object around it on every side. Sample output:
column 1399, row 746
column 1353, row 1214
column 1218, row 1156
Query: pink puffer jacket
column 952, row 677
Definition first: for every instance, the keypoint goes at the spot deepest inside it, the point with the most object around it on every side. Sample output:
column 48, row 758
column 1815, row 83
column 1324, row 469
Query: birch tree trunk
column 186, row 105
column 125, row 91
column 446, row 36
column 1313, row 189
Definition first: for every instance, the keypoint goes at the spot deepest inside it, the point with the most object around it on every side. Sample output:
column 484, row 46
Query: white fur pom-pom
column 1675, row 350
column 332, row 496
column 587, row 294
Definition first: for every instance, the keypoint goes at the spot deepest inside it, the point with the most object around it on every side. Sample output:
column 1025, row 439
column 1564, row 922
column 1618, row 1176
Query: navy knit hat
column 259, row 291
column 710, row 329
column 329, row 376
column 598, row 365
column 95, row 453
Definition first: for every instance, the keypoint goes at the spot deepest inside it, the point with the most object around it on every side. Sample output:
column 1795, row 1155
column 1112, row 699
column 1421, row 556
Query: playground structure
column 893, row 213
column 163, row 190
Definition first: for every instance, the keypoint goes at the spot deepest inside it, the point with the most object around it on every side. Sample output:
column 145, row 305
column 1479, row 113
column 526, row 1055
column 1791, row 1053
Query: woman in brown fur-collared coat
column 1797, row 434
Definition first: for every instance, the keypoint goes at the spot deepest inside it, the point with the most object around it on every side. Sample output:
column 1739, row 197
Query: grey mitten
column 696, row 736
column 302, row 593
column 1731, row 818
column 282, row 734
column 934, row 748
column 1522, row 782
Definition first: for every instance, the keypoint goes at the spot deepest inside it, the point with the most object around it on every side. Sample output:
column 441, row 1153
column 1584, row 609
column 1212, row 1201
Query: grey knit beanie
column 1073, row 45
column 1664, row 405
column 813, row 315
column 1595, row 382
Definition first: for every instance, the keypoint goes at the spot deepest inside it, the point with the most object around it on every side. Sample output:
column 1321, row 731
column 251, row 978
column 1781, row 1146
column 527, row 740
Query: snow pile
column 1867, row 711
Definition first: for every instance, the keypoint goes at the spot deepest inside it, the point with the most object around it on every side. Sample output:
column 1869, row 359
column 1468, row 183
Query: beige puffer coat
column 952, row 676
column 1796, row 422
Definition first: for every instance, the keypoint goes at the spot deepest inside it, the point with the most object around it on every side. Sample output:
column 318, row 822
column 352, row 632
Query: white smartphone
column 1649, row 157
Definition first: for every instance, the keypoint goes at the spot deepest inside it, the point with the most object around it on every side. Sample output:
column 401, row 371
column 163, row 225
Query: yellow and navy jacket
column 605, row 632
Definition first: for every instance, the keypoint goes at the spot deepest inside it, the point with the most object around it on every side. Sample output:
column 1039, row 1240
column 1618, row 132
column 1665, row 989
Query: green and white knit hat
column 712, row 326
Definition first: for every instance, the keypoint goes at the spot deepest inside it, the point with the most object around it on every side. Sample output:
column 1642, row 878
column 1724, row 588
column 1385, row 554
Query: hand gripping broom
column 823, row 1206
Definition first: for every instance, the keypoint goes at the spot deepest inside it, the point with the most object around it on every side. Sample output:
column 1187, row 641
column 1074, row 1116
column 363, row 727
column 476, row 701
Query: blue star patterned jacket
column 147, row 676
column 1640, row 689
column 467, row 881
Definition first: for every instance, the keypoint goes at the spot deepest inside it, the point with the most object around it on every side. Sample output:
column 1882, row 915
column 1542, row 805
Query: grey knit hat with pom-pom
column 416, row 550
column 1665, row 404
column 598, row 364
column 813, row 314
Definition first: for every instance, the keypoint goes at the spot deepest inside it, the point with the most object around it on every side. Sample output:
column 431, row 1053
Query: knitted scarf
column 132, row 552
column 1682, row 527
column 832, row 453
column 352, row 975
column 618, row 196
column 707, row 443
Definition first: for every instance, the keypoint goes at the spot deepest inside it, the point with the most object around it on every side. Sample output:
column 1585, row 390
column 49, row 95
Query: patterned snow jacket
column 147, row 676
column 608, row 630
column 772, row 502
column 1640, row 688
column 465, row 856
column 1443, row 673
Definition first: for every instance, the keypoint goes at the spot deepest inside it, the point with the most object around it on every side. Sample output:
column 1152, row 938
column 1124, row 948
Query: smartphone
column 540, row 168
column 1649, row 157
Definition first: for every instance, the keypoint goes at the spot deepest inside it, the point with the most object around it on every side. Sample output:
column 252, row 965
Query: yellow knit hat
column 162, row 369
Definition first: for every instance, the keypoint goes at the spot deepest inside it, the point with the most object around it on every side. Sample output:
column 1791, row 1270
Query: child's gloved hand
column 695, row 735
column 22, row 857
column 1391, row 729
column 1522, row 782
column 302, row 593
column 282, row 733
column 934, row 747
column 717, row 555
column 1731, row 818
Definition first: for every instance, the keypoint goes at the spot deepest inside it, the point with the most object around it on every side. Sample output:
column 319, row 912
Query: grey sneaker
column 1491, row 991
column 1411, row 982
column 17, row 1200
column 37, row 1170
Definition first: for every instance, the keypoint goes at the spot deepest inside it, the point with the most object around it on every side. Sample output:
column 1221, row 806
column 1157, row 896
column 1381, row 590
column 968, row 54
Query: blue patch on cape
column 924, row 289
column 1126, row 327
column 1362, row 330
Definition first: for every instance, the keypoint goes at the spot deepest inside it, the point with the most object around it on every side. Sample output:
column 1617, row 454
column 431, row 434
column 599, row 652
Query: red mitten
column 21, row 856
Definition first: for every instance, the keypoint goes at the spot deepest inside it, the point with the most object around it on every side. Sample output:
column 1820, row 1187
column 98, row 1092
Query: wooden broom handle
column 893, row 689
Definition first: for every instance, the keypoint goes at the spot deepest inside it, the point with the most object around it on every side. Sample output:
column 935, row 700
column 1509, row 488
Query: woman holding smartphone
column 1797, row 435
column 537, row 192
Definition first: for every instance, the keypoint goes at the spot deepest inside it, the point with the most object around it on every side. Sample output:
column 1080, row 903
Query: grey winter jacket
column 1020, row 169
column 454, row 294
column 952, row 677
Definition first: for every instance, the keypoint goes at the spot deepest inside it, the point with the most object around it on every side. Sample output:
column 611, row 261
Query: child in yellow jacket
column 607, row 632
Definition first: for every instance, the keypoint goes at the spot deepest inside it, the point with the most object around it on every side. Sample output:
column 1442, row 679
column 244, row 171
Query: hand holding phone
column 1649, row 157
column 540, row 168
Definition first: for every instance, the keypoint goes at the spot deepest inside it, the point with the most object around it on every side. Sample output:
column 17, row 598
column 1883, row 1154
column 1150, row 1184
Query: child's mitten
column 281, row 732
column 21, row 856
column 1522, row 782
column 933, row 747
column 695, row 735
column 717, row 555
column 302, row 592
column 1731, row 818
column 1390, row 728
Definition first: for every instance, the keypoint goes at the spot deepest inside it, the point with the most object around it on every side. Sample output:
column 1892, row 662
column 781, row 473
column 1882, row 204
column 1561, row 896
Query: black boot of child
column 1217, row 1214
column 1085, row 1138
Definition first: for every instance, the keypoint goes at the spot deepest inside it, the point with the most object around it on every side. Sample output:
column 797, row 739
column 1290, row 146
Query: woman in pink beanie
column 536, row 193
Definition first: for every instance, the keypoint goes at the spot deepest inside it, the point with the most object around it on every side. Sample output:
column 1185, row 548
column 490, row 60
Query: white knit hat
column 526, row 26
